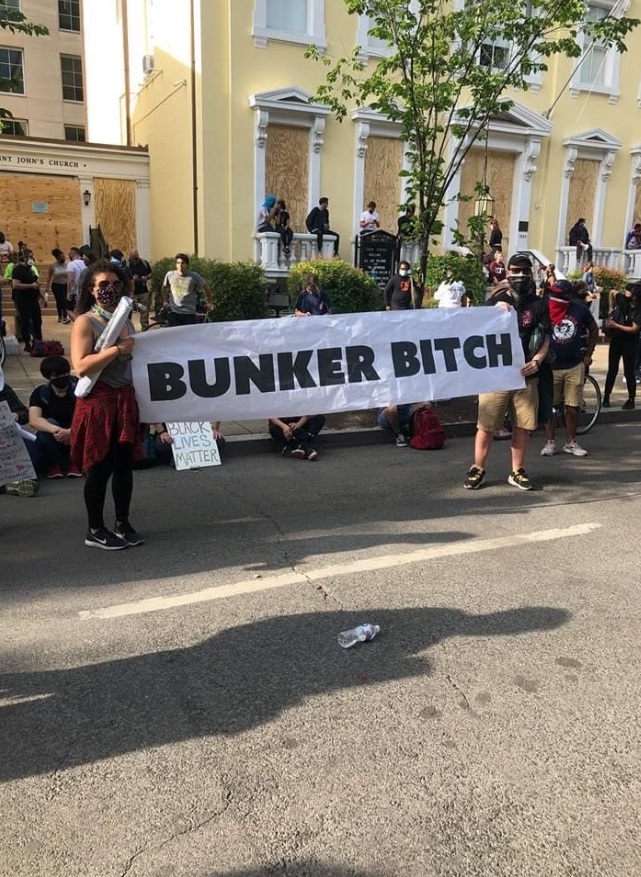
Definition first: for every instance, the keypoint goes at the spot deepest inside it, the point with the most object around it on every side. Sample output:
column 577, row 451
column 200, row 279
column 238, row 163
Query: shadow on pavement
column 303, row 869
column 239, row 679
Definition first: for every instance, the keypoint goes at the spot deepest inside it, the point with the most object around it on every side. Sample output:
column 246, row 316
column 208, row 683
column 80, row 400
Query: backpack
column 47, row 348
column 427, row 432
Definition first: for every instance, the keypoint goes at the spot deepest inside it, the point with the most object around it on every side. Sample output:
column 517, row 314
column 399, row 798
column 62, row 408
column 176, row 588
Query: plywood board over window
column 500, row 179
column 61, row 224
column 582, row 194
column 382, row 184
column 116, row 212
column 287, row 171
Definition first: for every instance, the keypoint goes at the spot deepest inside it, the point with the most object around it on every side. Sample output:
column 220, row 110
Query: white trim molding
column 611, row 85
column 369, row 123
column 292, row 107
column 314, row 35
column 596, row 145
column 367, row 48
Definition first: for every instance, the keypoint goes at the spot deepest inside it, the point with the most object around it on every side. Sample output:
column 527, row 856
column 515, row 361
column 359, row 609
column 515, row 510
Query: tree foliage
column 350, row 290
column 438, row 82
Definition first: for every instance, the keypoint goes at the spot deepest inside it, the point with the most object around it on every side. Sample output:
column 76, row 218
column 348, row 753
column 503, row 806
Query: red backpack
column 427, row 432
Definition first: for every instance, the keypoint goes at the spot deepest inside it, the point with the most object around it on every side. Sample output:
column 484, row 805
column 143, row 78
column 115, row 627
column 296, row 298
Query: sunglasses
column 108, row 284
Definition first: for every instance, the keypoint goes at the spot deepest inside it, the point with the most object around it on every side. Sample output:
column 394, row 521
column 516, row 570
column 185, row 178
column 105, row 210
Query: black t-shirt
column 630, row 314
column 568, row 335
column 533, row 317
column 398, row 293
column 54, row 407
column 142, row 268
column 23, row 274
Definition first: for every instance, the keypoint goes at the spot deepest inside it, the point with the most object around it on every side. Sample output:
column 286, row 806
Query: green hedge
column 465, row 268
column 239, row 288
column 350, row 290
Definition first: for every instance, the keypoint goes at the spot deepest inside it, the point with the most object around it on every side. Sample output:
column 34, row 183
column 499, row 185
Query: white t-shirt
column 371, row 221
column 450, row 294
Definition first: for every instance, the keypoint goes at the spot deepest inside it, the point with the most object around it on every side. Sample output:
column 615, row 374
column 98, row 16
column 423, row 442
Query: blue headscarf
column 269, row 202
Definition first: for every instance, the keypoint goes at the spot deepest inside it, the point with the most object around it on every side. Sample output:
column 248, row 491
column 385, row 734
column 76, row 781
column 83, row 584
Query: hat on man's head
column 520, row 259
column 563, row 288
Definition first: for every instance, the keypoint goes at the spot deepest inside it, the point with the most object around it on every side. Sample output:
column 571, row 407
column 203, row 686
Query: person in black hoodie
column 398, row 292
column 317, row 223
column 624, row 322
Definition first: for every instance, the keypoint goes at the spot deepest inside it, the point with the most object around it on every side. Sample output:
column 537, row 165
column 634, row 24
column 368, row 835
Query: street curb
column 254, row 443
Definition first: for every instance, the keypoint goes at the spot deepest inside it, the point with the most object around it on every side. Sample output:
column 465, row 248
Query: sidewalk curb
column 254, row 443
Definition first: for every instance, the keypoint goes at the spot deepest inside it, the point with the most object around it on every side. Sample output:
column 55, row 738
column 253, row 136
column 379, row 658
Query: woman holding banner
column 105, row 429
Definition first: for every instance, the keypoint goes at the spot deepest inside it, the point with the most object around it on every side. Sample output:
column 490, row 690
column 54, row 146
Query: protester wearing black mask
column 51, row 408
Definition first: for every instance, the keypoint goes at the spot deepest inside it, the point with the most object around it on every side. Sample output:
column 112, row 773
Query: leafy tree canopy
column 442, row 81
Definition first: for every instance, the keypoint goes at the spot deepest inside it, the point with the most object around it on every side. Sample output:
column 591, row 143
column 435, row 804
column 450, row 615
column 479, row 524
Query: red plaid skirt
column 106, row 414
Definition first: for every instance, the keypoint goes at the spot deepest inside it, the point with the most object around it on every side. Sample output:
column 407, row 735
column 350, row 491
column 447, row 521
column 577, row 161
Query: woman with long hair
column 57, row 284
column 105, row 430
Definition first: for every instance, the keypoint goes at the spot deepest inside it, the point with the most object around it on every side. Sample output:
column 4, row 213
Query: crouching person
column 295, row 434
column 51, row 409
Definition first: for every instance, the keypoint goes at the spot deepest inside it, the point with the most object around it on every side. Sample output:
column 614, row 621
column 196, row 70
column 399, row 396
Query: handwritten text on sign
column 194, row 445
column 263, row 368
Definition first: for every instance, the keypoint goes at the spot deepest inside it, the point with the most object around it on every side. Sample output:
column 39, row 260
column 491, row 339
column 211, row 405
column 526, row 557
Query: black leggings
column 622, row 344
column 60, row 294
column 28, row 307
column 119, row 464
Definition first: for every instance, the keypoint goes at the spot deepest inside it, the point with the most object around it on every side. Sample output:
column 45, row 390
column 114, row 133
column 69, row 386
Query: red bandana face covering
column 558, row 309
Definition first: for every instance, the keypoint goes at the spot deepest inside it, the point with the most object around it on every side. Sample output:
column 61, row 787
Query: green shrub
column 350, row 290
column 465, row 268
column 606, row 279
column 239, row 288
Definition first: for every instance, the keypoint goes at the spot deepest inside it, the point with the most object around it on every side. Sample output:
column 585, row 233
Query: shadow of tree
column 239, row 679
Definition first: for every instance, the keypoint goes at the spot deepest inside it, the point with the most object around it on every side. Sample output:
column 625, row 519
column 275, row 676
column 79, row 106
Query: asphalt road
column 183, row 709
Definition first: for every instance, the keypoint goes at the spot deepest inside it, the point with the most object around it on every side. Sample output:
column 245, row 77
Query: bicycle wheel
column 591, row 407
column 3, row 352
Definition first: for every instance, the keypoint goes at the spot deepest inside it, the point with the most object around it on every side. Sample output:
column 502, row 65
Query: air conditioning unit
column 148, row 64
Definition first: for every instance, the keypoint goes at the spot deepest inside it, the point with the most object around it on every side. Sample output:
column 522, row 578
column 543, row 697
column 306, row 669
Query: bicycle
column 3, row 351
column 590, row 410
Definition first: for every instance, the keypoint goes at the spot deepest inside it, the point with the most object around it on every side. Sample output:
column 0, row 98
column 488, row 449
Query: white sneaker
column 575, row 448
column 548, row 449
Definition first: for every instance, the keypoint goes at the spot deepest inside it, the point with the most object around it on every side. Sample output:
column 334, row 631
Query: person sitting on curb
column 295, row 434
column 398, row 418
column 312, row 301
column 571, row 354
column 20, row 414
column 51, row 409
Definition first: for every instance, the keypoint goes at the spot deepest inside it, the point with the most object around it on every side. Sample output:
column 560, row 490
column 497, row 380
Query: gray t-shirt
column 183, row 290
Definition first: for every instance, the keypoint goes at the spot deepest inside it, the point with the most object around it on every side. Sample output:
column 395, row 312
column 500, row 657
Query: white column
column 143, row 218
column 568, row 169
column 605, row 170
column 315, row 145
column 524, row 170
column 362, row 135
column 87, row 212
column 261, row 120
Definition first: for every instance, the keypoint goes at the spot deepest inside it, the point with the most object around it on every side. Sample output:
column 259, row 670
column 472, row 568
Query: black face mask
column 61, row 383
column 521, row 286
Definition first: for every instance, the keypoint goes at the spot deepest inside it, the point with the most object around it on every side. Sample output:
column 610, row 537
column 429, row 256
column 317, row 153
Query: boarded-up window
column 383, row 163
column 116, row 212
column 500, row 179
column 286, row 171
column 582, row 192
column 44, row 212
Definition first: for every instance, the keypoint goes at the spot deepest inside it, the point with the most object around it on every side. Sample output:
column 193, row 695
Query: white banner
column 314, row 365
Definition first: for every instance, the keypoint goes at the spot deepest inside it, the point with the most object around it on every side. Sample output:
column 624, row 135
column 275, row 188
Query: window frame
column 20, row 53
column 367, row 49
column 70, row 15
column 82, row 128
column 23, row 122
column 314, row 36
column 78, row 58
column 611, row 85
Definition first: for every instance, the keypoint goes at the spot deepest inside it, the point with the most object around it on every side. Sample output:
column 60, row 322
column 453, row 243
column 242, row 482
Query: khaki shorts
column 522, row 405
column 568, row 384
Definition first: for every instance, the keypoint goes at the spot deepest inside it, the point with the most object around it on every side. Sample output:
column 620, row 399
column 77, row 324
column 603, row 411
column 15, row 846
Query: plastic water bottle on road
column 360, row 634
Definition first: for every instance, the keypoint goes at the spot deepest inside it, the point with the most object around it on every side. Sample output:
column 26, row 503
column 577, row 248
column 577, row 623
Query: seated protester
column 296, row 434
column 281, row 225
column 312, row 301
column 633, row 239
column 398, row 418
column 398, row 292
column 370, row 220
column 265, row 221
column 451, row 293
column 317, row 223
column 51, row 409
column 20, row 414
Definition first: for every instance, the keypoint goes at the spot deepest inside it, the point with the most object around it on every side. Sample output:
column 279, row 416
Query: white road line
column 369, row 564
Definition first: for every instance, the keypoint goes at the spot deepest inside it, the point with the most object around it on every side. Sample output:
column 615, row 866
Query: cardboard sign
column 194, row 445
column 15, row 463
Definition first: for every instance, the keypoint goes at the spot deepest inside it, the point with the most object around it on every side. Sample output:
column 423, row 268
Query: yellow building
column 220, row 91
